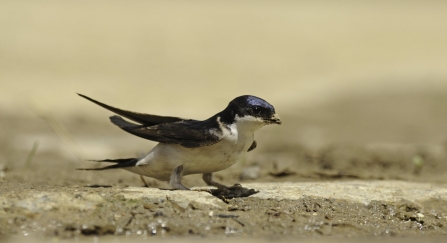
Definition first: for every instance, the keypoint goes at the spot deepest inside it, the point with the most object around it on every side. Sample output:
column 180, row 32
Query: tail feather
column 120, row 163
column 123, row 124
column 146, row 119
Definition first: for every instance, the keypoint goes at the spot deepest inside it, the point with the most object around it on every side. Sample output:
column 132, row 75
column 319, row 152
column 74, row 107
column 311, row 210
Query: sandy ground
column 29, row 176
column 361, row 88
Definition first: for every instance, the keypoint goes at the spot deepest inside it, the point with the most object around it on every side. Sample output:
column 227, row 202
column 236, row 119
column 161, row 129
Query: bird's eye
column 256, row 110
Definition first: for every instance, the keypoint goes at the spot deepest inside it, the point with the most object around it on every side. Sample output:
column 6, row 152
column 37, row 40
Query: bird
column 187, row 146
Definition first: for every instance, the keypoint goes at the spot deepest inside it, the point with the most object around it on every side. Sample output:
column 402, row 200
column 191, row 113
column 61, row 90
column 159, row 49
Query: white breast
column 163, row 158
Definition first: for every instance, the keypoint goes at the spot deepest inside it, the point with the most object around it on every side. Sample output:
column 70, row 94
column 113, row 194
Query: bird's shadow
column 233, row 192
column 227, row 193
column 236, row 191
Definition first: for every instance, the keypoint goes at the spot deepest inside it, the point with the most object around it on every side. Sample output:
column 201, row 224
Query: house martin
column 189, row 146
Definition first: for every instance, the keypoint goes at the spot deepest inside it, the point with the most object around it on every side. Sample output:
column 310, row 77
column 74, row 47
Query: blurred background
column 364, row 73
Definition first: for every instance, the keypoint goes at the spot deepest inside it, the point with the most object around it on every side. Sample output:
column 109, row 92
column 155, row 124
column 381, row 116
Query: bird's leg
column 144, row 182
column 176, row 179
column 208, row 178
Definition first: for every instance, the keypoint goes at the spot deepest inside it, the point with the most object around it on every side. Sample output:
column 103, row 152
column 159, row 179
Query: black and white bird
column 190, row 146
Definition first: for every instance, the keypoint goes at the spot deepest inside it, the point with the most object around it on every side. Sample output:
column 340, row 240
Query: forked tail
column 119, row 163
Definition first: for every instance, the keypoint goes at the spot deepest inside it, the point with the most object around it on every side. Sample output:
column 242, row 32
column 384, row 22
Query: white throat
column 248, row 124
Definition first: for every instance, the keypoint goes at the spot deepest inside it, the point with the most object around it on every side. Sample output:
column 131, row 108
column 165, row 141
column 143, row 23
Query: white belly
column 161, row 161
column 163, row 158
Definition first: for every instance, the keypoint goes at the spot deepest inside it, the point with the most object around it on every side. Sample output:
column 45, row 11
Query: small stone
column 151, row 207
column 420, row 216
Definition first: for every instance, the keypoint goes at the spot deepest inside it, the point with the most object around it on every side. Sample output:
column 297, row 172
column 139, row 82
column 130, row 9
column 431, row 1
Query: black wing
column 145, row 119
column 188, row 133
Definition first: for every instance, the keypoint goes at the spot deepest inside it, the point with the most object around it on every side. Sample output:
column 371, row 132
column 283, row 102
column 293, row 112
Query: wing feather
column 146, row 119
column 187, row 133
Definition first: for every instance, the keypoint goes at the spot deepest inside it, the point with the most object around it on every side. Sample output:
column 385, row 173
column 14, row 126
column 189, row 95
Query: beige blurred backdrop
column 332, row 69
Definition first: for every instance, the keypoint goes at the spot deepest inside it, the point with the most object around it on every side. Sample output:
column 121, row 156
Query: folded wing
column 187, row 133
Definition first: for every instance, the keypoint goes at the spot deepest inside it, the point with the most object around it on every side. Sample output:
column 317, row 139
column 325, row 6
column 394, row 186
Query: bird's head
column 252, row 109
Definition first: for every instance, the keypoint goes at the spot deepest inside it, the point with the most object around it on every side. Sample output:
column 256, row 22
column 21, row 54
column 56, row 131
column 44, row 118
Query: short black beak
column 275, row 119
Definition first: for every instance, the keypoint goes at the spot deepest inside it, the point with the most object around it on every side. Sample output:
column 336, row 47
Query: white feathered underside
column 160, row 162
